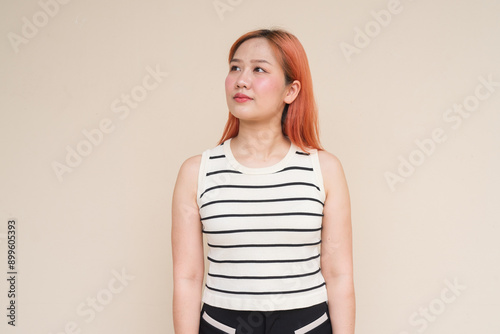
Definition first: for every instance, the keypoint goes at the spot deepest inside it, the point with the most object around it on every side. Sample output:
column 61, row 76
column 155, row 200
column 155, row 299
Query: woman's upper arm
column 186, row 236
column 336, row 243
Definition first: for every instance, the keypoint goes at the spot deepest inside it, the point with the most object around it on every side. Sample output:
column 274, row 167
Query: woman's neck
column 259, row 143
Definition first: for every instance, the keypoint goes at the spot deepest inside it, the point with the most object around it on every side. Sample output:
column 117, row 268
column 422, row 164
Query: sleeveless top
column 263, row 231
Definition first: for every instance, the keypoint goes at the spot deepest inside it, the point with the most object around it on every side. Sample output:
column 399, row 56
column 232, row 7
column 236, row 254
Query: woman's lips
column 240, row 98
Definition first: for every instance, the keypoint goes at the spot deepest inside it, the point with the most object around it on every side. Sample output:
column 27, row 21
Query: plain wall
column 404, row 102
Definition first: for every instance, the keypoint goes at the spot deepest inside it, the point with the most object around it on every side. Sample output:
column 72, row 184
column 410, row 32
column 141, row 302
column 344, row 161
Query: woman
column 272, row 204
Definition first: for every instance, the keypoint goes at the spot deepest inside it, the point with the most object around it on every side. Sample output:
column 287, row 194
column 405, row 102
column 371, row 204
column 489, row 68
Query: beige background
column 111, row 213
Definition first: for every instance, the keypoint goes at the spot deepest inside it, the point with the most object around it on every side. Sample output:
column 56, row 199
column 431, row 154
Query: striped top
column 263, row 230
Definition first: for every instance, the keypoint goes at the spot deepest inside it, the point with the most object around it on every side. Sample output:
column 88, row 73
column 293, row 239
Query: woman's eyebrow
column 236, row 60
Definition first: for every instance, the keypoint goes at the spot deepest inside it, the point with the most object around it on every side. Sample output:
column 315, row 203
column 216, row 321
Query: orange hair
column 299, row 121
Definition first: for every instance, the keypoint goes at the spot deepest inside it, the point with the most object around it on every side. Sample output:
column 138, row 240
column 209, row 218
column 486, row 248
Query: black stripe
column 263, row 215
column 263, row 200
column 302, row 153
column 217, row 156
column 264, row 230
column 295, row 167
column 265, row 293
column 264, row 245
column 309, row 169
column 265, row 277
column 263, row 261
column 261, row 186
column 223, row 171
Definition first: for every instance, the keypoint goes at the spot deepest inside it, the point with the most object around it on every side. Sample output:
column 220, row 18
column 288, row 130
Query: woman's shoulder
column 191, row 165
column 328, row 160
column 331, row 169
column 186, row 184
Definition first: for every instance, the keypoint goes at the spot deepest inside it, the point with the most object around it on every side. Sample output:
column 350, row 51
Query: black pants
column 310, row 320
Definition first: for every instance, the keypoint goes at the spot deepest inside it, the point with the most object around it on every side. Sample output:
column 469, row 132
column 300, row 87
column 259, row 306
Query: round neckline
column 257, row 170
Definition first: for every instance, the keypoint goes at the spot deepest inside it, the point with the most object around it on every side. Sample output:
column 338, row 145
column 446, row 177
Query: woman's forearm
column 187, row 306
column 341, row 304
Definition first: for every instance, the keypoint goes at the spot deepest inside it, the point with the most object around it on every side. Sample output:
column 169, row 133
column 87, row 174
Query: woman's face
column 255, row 72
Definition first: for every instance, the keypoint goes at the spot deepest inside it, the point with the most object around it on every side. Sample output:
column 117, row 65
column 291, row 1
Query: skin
column 256, row 72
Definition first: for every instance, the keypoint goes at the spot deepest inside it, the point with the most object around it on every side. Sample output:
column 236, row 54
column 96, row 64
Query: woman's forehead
column 256, row 49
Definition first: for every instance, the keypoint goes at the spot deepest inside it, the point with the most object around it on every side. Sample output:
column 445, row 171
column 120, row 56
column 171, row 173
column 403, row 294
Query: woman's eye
column 237, row 68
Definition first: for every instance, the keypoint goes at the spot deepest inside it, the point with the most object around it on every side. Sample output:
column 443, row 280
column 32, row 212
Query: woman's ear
column 292, row 92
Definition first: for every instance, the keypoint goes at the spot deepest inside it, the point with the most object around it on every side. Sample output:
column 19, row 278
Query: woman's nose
column 242, row 80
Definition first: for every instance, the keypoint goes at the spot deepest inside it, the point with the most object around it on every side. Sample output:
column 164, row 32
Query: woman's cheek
column 229, row 83
column 266, row 86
